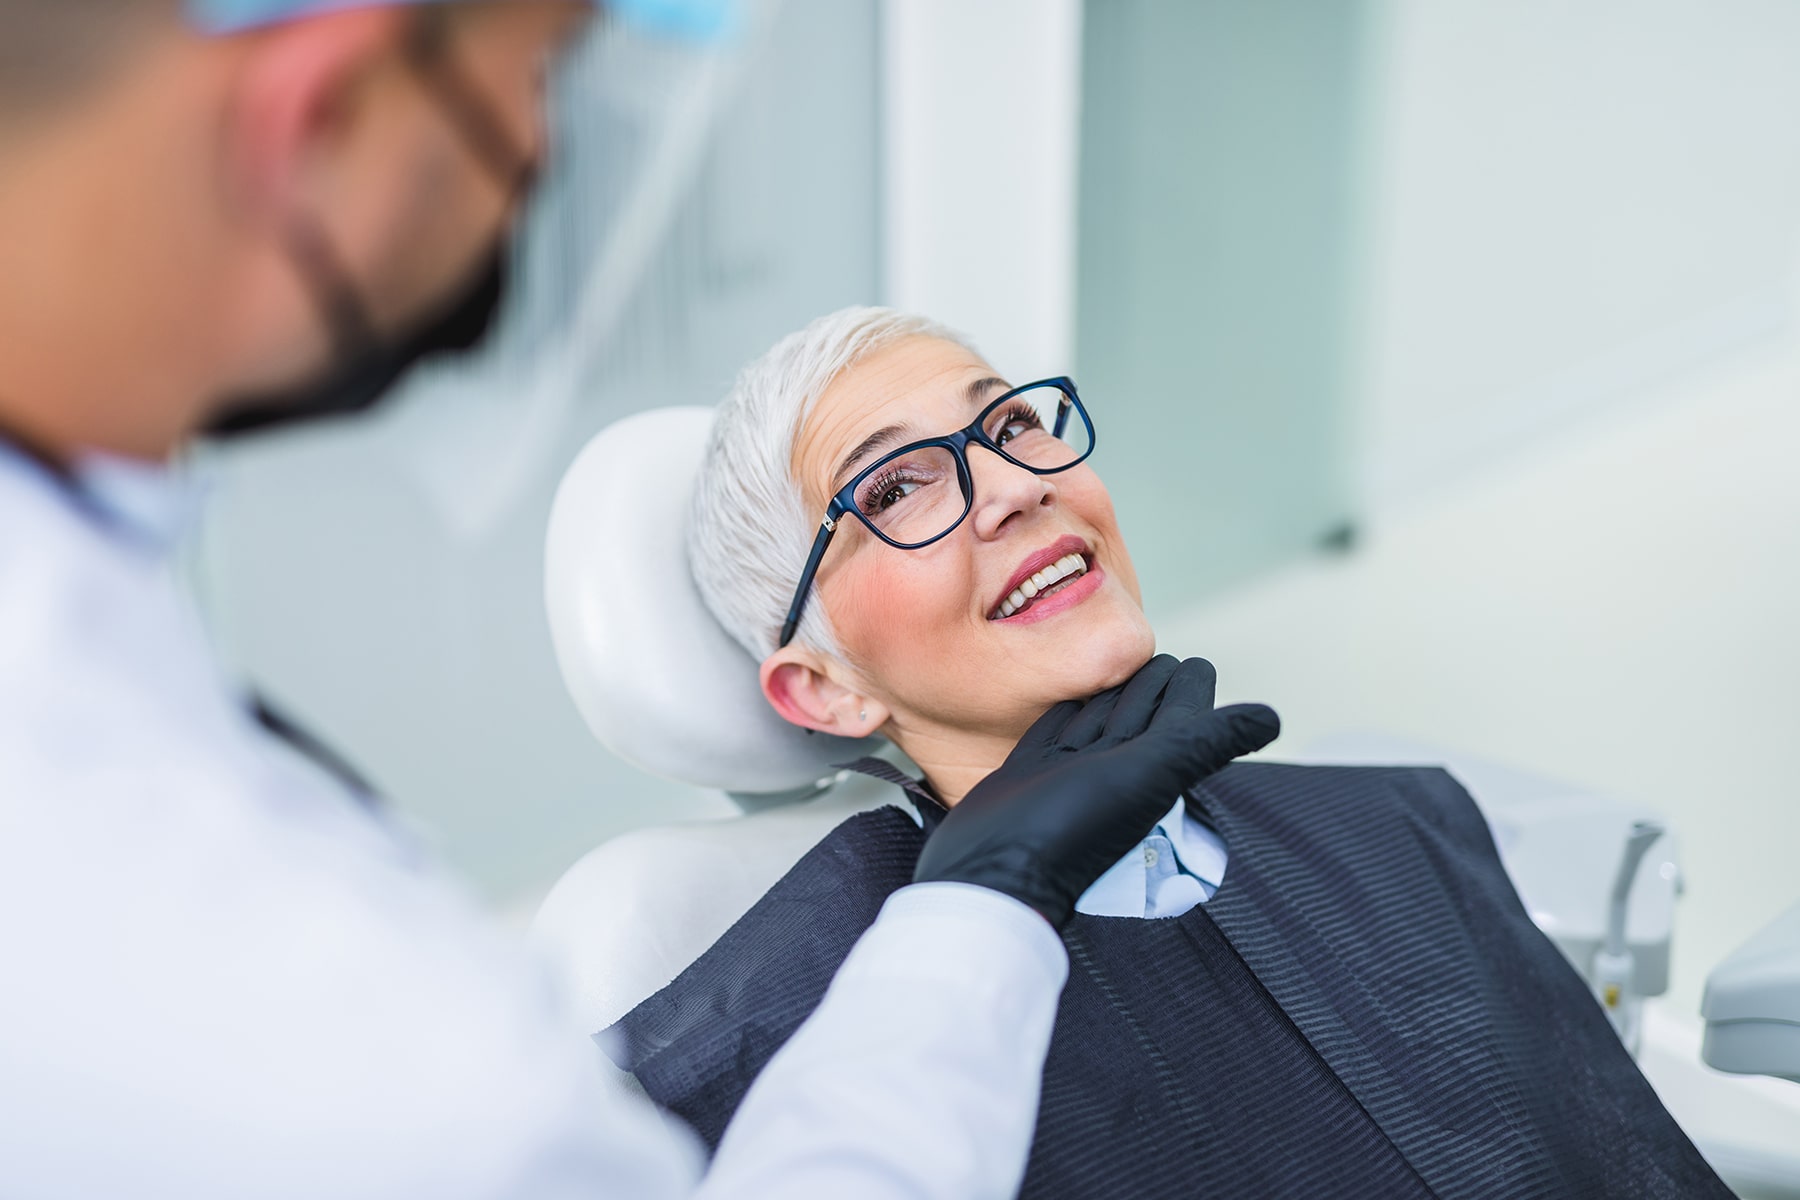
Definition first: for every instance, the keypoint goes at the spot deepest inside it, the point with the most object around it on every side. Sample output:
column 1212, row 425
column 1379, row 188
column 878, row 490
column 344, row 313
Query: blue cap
column 694, row 20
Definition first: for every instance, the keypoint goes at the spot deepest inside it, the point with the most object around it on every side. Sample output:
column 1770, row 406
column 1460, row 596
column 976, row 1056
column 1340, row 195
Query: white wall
column 1576, row 366
column 1612, row 607
column 1567, row 203
column 1564, row 204
column 981, row 103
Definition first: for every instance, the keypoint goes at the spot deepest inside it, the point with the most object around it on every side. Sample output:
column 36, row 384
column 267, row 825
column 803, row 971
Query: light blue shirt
column 1180, row 865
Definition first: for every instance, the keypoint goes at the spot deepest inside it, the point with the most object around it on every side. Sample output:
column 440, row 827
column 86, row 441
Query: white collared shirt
column 224, row 977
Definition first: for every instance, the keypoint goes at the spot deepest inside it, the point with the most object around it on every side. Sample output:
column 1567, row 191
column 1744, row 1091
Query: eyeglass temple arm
column 827, row 528
column 1066, row 405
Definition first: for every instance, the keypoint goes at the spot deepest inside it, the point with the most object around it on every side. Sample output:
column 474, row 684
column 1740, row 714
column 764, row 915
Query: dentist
column 221, row 973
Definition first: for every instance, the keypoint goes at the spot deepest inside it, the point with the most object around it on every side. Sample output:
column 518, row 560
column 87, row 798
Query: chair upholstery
column 663, row 686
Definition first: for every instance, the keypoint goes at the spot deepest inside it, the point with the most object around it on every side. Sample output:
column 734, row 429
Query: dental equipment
column 1560, row 844
column 1611, row 976
column 1752, row 1004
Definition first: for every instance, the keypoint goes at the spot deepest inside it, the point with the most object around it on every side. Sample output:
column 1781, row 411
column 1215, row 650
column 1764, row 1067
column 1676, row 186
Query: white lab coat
column 220, row 976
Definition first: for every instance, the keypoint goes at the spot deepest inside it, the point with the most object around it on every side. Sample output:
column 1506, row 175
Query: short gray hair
column 749, row 531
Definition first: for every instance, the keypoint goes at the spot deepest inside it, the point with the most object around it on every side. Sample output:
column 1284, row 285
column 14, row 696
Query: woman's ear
column 798, row 687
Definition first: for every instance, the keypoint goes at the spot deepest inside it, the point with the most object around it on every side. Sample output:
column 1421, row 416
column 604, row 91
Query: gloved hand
column 1088, row 782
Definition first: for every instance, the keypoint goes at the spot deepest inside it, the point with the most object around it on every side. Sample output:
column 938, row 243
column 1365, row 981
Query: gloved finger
column 1140, row 698
column 1191, row 751
column 1189, row 694
column 1087, row 724
column 1098, row 720
column 1165, row 762
column 1047, row 730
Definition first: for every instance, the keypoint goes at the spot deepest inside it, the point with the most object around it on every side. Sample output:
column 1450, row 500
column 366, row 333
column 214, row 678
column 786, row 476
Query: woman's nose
column 1003, row 491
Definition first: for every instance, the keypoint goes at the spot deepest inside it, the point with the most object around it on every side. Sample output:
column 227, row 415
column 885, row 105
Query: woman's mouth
column 1041, row 585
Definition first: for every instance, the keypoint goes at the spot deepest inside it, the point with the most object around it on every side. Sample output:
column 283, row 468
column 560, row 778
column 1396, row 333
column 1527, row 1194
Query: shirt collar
column 1121, row 891
column 1199, row 855
column 152, row 504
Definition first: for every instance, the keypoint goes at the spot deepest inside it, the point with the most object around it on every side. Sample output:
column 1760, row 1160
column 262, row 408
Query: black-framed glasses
column 907, row 498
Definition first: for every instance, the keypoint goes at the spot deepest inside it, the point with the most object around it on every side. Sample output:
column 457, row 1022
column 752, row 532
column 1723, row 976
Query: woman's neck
column 955, row 761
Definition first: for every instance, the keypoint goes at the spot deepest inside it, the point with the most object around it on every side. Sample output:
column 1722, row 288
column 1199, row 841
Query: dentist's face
column 925, row 629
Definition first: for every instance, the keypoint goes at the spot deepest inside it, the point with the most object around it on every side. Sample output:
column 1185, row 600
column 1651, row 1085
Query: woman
column 1306, row 979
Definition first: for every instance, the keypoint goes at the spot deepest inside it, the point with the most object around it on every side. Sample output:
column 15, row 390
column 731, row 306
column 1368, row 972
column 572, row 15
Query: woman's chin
column 1120, row 674
column 1107, row 662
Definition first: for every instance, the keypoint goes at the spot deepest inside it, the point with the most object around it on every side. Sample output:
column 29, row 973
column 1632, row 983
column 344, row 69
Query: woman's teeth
column 1062, row 571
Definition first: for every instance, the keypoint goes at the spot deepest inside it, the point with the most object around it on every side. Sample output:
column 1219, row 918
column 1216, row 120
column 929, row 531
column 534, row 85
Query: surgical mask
column 366, row 366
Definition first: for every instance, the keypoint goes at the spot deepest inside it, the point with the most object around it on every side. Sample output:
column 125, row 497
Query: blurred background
column 1443, row 354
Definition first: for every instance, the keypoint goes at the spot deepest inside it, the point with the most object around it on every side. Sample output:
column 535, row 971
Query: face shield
column 381, row 576
column 694, row 20
column 657, row 71
column 634, row 118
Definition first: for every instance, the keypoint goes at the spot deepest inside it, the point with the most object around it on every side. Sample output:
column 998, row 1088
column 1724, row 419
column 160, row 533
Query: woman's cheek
column 877, row 606
column 1127, row 572
column 1093, row 503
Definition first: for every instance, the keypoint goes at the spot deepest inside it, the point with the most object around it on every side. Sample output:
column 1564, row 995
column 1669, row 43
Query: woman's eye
column 895, row 494
column 1017, row 422
column 884, row 493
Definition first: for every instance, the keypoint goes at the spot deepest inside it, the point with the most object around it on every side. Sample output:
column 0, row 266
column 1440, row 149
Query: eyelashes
column 875, row 491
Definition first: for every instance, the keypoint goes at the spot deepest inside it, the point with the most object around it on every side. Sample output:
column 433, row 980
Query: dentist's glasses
column 913, row 496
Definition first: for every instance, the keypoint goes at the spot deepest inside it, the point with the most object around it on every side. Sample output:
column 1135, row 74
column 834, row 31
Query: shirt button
column 1150, row 856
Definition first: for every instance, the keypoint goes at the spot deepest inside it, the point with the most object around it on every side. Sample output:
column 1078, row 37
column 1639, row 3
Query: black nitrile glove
column 1088, row 782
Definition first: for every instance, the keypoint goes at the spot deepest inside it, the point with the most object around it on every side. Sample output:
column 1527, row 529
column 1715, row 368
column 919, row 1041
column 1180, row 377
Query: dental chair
column 664, row 687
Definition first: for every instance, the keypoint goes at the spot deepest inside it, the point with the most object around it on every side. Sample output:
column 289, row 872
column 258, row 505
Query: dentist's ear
column 797, row 687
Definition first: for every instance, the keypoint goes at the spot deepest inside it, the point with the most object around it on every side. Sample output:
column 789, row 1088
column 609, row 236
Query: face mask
column 365, row 365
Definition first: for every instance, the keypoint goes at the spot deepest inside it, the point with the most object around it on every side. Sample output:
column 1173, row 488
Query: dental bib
column 1363, row 1009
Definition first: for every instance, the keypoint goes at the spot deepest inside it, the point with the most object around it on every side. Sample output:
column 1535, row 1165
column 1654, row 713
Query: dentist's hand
column 1088, row 782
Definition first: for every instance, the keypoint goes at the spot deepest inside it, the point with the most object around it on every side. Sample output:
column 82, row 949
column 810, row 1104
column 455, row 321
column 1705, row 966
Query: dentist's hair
column 52, row 49
column 749, row 531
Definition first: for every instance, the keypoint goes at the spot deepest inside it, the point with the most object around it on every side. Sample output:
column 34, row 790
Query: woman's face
column 925, row 630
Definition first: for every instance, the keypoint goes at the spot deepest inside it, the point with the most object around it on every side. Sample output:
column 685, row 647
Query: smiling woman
column 964, row 494
column 1305, row 981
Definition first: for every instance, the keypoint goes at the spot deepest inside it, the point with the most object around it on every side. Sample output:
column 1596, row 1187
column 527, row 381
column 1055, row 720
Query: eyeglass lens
column 918, row 495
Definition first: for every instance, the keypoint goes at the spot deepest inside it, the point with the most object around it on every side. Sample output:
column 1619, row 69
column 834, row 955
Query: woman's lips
column 1068, row 546
column 1050, row 604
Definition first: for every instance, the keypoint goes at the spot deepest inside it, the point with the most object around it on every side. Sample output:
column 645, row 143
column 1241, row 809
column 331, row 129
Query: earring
column 863, row 715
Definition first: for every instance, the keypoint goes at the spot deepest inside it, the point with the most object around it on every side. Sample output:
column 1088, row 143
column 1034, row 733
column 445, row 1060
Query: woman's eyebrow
column 976, row 393
column 887, row 435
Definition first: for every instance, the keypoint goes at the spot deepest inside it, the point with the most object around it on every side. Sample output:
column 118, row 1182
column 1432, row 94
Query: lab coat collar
column 148, row 505
column 153, row 504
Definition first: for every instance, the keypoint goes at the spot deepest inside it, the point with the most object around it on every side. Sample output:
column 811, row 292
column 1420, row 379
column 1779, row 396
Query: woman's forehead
column 918, row 385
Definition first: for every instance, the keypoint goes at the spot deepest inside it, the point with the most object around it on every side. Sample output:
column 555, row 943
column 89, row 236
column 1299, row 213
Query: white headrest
column 660, row 683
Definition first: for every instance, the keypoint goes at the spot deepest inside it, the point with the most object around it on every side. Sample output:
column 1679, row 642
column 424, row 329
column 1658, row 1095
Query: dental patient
column 1306, row 981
